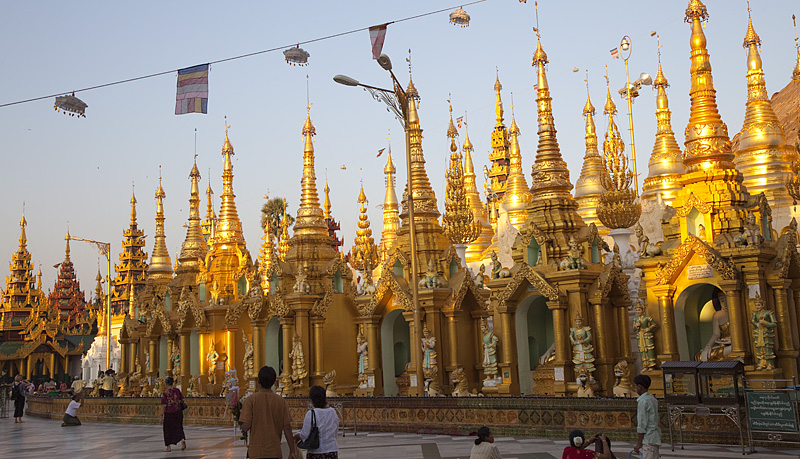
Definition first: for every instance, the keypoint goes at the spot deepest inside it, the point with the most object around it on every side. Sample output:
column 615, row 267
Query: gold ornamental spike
column 588, row 187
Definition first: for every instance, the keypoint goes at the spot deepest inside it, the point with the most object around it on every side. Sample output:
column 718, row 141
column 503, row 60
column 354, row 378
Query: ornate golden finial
column 618, row 207
column 194, row 247
column 764, row 157
column 210, row 219
column 327, row 204
column 589, row 187
column 310, row 218
column 696, row 10
column 265, row 259
column 500, row 156
column 133, row 204
column 227, row 148
column 452, row 132
column 365, row 253
column 411, row 90
column 391, row 206
column 475, row 249
column 160, row 263
column 228, row 228
column 283, row 243
column 796, row 71
column 517, row 195
column 67, row 238
column 458, row 221
column 665, row 165
column 498, row 106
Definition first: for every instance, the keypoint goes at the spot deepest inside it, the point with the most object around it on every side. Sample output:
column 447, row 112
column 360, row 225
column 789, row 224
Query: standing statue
column 147, row 361
column 490, row 341
column 763, row 335
column 581, row 338
column 176, row 360
column 643, row 326
column 362, row 347
column 212, row 357
column 298, row 359
column 428, row 348
column 247, row 361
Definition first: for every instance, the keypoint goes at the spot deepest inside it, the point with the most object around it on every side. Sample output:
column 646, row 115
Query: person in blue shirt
column 647, row 415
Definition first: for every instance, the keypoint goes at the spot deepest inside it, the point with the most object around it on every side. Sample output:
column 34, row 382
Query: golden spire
column 309, row 219
column 283, row 243
column 267, row 249
column 160, row 263
column 763, row 156
column 23, row 238
column 66, row 251
column 391, row 206
column 707, row 142
column 365, row 254
column 211, row 219
column 500, row 156
column 133, row 206
column 228, row 228
column 458, row 222
column 476, row 248
column 617, row 208
column 327, row 204
column 550, row 173
column 194, row 247
column 796, row 71
column 666, row 165
column 518, row 195
column 588, row 187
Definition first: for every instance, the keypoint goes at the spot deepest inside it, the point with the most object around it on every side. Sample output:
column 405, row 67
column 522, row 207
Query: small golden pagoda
column 589, row 186
column 210, row 221
column 283, row 240
column 364, row 256
column 132, row 267
column 476, row 250
column 265, row 258
column 500, row 156
column 517, row 194
column 762, row 154
column 160, row 271
column 391, row 209
column 666, row 164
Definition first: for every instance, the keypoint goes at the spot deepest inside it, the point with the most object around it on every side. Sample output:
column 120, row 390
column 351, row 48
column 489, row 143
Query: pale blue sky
column 80, row 170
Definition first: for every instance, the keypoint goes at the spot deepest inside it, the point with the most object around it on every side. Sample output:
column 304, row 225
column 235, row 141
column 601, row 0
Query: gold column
column 28, row 368
column 624, row 329
column 124, row 357
column 786, row 351
column 560, row 325
column 52, row 366
column 230, row 349
column 452, row 342
column 287, row 325
column 204, row 342
column 738, row 319
column 186, row 357
column 153, row 347
column 416, row 350
column 669, row 337
column 66, row 365
column 317, row 324
column 170, row 362
column 600, row 327
column 373, row 350
column 259, row 344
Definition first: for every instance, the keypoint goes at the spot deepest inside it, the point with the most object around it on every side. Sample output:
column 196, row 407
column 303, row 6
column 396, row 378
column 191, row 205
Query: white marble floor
column 41, row 438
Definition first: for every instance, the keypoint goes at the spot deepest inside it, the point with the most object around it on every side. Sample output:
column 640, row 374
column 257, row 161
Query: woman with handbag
column 320, row 426
column 172, row 415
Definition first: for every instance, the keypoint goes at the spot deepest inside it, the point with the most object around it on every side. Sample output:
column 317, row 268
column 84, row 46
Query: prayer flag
column 376, row 36
column 192, row 96
column 380, row 152
column 459, row 120
column 536, row 87
column 615, row 53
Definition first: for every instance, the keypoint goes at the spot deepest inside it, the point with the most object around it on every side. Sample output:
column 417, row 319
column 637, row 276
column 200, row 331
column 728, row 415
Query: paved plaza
column 44, row 438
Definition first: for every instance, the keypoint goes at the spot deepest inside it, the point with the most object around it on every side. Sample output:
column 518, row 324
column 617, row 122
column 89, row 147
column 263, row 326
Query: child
column 71, row 415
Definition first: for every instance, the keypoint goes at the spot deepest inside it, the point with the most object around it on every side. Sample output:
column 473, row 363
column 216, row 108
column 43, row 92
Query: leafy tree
column 273, row 210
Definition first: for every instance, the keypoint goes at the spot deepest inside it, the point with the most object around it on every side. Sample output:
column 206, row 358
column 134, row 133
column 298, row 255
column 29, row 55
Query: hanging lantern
column 296, row 56
column 459, row 17
column 70, row 104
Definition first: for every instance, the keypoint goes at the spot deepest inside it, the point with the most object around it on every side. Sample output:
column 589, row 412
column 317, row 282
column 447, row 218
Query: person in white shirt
column 484, row 446
column 71, row 415
column 326, row 420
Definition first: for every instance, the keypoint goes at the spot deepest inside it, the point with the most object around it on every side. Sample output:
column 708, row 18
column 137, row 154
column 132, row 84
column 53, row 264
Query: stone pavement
column 44, row 438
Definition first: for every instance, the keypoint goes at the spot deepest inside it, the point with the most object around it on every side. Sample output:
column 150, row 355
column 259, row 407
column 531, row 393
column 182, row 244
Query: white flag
column 376, row 36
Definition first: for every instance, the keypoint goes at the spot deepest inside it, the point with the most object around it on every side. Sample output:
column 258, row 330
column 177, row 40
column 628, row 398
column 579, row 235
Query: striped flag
column 380, row 152
column 377, row 34
column 459, row 120
column 192, row 96
column 615, row 53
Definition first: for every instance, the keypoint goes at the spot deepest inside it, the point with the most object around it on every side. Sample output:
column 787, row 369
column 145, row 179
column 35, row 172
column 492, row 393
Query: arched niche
column 338, row 282
column 395, row 349
column 535, row 335
column 274, row 342
column 534, row 252
column 694, row 315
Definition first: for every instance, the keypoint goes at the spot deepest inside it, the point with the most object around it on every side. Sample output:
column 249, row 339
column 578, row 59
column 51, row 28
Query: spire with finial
column 458, row 222
column 228, row 229
column 283, row 243
column 265, row 258
column 20, row 281
column 618, row 207
column 500, row 155
column 330, row 222
column 517, row 194
column 476, row 248
column 210, row 221
column 763, row 156
column 194, row 247
column 411, row 90
column 589, row 187
column 666, row 165
column 364, row 253
column 160, row 263
column 66, row 296
column 310, row 220
column 327, row 204
column 796, row 70
column 132, row 268
column 391, row 206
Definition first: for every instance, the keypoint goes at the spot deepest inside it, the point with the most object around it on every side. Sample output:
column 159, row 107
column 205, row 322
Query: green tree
column 273, row 210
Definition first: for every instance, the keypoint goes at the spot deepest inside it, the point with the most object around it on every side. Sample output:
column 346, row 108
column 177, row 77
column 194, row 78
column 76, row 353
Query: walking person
column 172, row 405
column 484, row 447
column 108, row 383
column 18, row 391
column 71, row 415
column 647, row 415
column 265, row 415
column 326, row 420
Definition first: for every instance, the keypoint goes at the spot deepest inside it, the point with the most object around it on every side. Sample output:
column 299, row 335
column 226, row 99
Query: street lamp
column 631, row 91
column 397, row 101
column 105, row 249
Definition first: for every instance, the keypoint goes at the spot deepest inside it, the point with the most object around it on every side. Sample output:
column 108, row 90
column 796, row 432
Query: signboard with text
column 771, row 411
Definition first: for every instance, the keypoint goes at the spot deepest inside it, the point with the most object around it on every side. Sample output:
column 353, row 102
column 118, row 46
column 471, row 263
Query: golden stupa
column 589, row 186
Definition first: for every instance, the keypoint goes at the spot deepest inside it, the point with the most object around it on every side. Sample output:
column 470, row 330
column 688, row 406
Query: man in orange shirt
column 265, row 415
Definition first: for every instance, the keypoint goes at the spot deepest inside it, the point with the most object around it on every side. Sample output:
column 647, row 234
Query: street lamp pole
column 105, row 249
column 625, row 46
column 398, row 101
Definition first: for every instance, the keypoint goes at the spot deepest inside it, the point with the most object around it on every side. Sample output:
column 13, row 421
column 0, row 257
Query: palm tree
column 273, row 210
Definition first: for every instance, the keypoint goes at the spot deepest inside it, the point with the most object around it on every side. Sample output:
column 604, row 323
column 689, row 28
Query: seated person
column 71, row 415
column 578, row 445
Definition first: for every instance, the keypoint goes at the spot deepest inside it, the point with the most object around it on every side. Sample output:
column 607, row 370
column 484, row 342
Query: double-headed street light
column 630, row 92
column 105, row 249
column 397, row 101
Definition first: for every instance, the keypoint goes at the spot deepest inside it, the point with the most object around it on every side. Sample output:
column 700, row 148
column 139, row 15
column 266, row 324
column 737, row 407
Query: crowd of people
column 265, row 417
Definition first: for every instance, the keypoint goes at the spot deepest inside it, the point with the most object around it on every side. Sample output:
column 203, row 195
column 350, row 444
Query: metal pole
column 630, row 120
column 413, row 275
column 108, row 311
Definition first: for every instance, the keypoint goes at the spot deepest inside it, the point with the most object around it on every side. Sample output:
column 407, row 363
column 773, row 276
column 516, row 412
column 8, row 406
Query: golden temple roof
column 665, row 165
column 310, row 219
column 160, row 263
column 194, row 247
column 500, row 155
column 589, row 187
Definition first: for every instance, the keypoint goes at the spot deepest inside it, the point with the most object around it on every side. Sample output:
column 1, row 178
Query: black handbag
column 312, row 442
column 183, row 405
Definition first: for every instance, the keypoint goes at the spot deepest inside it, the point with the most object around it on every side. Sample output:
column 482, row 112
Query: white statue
column 506, row 235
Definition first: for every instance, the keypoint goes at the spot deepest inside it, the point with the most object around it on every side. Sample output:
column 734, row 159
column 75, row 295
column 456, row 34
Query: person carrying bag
column 320, row 426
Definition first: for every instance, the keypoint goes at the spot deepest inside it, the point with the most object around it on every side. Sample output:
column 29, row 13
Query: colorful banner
column 192, row 94
column 376, row 36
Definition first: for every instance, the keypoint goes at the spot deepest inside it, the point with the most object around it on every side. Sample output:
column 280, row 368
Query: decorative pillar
column 170, row 362
column 230, row 350
column 416, row 353
column 669, row 337
column 374, row 352
column 737, row 319
column 317, row 323
column 259, row 344
column 28, row 367
column 186, row 358
column 154, row 349
column 287, row 326
column 560, row 325
column 66, row 365
column 624, row 329
column 452, row 341
column 204, row 341
column 124, row 357
column 786, row 352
